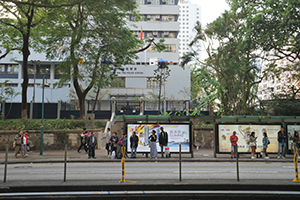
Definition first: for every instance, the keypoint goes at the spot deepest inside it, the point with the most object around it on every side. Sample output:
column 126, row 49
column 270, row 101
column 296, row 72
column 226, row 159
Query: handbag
column 252, row 144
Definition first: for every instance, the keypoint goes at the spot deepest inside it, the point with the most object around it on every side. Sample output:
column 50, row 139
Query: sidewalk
column 201, row 155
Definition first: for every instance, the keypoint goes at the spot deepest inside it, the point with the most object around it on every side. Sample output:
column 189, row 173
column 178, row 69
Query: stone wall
column 53, row 139
column 204, row 137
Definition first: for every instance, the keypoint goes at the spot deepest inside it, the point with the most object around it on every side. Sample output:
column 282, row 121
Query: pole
column 5, row 167
column 179, row 162
column 42, row 129
column 165, row 109
column 237, row 163
column 296, row 165
column 65, row 165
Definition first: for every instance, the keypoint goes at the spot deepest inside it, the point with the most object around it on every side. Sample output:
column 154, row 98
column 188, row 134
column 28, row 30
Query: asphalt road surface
column 146, row 171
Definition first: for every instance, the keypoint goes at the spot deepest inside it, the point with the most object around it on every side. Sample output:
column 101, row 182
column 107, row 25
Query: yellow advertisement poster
column 244, row 131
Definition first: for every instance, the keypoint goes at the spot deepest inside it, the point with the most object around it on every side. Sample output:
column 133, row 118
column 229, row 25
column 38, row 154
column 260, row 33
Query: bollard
column 296, row 179
column 123, row 149
column 65, row 165
column 237, row 163
column 179, row 162
column 5, row 167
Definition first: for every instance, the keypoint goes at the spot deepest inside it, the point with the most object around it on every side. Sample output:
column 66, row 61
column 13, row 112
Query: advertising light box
column 244, row 131
column 291, row 130
column 177, row 134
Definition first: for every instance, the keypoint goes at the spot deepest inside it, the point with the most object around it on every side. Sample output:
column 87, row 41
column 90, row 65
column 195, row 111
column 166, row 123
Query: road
column 145, row 171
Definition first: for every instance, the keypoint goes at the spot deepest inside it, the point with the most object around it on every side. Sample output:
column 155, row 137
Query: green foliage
column 57, row 124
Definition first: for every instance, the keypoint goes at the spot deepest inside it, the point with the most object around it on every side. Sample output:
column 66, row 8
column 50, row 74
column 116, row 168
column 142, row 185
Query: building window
column 168, row 18
column 12, row 69
column 155, row 2
column 140, row 2
column 44, row 69
column 170, row 48
column 168, row 2
column 2, row 69
column 153, row 82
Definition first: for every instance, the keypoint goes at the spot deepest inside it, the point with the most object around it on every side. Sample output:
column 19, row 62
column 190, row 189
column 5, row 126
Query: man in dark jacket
column 19, row 141
column 91, row 144
column 134, row 142
column 281, row 138
column 163, row 140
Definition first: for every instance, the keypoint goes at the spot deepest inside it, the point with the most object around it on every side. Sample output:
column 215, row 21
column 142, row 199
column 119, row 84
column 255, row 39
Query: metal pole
column 65, row 165
column 42, row 129
column 165, row 109
column 5, row 167
column 237, row 163
column 179, row 162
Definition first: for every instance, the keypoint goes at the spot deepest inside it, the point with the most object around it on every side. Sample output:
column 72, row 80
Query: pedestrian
column 281, row 138
column 153, row 150
column 265, row 142
column 114, row 143
column 91, row 144
column 124, row 144
column 134, row 142
column 296, row 140
column 107, row 147
column 19, row 144
column 233, row 140
column 82, row 140
column 25, row 142
column 163, row 140
column 252, row 144
column 85, row 140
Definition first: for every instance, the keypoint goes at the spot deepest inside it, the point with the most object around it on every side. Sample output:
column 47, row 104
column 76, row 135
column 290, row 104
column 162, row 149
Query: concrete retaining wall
column 53, row 139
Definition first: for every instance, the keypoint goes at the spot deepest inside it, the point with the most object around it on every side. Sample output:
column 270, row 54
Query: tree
column 83, row 35
column 19, row 23
column 6, row 93
column 231, row 66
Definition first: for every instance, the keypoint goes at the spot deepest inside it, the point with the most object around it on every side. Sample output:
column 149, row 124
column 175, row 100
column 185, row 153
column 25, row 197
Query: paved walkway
column 201, row 155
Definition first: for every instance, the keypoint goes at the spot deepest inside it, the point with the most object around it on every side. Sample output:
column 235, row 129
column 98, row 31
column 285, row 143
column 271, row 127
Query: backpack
column 120, row 142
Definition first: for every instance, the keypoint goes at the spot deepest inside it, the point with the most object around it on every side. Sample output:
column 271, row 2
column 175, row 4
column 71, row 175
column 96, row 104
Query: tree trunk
column 25, row 52
column 96, row 99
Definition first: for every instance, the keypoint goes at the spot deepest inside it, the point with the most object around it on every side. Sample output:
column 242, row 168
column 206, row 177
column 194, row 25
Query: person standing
column 134, row 142
column 91, row 144
column 153, row 150
column 114, row 143
column 25, row 142
column 233, row 140
column 296, row 140
column 124, row 144
column 266, row 142
column 19, row 144
column 252, row 144
column 82, row 138
column 163, row 140
column 107, row 147
column 281, row 138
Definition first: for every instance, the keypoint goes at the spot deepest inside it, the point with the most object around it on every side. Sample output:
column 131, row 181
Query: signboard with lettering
column 89, row 120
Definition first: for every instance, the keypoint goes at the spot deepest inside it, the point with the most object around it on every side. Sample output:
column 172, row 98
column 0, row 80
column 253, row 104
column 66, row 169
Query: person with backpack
column 266, row 142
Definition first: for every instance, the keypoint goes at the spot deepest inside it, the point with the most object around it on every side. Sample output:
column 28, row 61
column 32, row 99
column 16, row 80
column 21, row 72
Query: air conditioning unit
column 166, row 33
column 154, row 33
column 135, row 33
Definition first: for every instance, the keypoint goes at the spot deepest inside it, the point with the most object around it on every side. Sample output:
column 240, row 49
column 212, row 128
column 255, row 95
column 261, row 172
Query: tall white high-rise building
column 189, row 14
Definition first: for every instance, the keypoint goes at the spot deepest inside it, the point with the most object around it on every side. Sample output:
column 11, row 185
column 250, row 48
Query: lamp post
column 164, row 72
column 35, row 64
column 42, row 128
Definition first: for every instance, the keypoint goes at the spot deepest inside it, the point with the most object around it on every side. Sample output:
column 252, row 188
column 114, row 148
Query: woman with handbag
column 252, row 144
column 153, row 150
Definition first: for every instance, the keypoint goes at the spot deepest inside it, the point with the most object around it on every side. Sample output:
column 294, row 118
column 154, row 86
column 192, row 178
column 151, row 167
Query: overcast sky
column 210, row 9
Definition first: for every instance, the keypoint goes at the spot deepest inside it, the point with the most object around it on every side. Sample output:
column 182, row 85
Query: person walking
column 134, row 142
column 91, row 144
column 252, row 144
column 25, row 142
column 163, row 140
column 296, row 140
column 107, row 147
column 82, row 140
column 114, row 143
column 233, row 140
column 281, row 138
column 19, row 144
column 153, row 150
column 265, row 142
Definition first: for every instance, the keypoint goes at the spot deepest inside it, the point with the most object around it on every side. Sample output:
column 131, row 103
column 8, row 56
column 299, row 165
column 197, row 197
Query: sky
column 211, row 9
